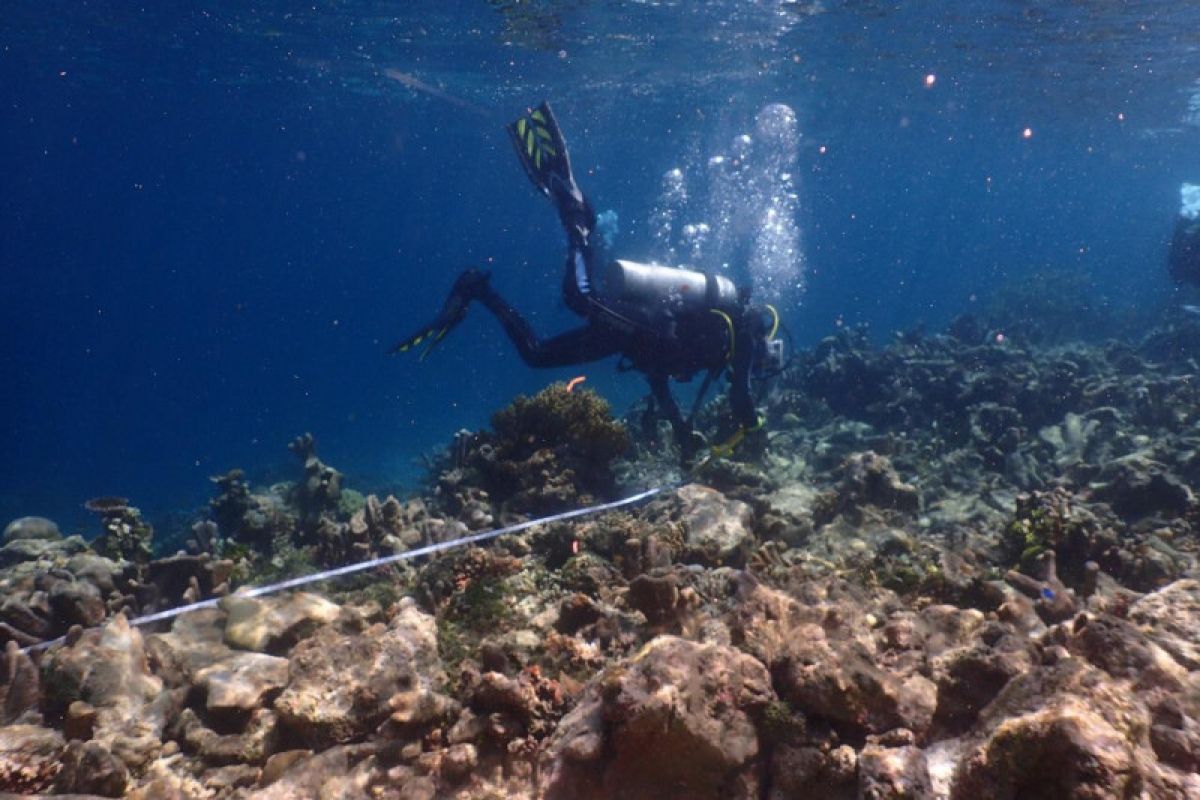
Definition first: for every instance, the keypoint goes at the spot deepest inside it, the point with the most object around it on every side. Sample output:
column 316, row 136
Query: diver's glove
column 470, row 286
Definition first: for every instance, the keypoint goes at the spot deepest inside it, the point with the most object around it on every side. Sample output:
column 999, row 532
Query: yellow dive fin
column 542, row 151
column 429, row 336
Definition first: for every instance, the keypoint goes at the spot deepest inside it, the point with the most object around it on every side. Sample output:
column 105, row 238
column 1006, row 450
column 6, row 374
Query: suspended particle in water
column 930, row 80
column 739, row 148
column 1027, row 133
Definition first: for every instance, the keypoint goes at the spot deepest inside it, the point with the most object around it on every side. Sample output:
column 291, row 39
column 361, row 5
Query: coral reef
column 320, row 492
column 255, row 521
column 960, row 566
column 675, row 720
column 126, row 536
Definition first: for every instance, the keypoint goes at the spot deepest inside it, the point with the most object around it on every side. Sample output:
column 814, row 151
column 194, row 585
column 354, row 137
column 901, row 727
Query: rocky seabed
column 959, row 567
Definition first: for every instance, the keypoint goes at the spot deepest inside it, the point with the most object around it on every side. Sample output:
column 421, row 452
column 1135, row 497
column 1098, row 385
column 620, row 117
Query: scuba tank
column 648, row 285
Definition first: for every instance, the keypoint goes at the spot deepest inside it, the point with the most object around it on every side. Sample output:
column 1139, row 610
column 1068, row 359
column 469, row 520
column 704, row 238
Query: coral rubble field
column 958, row 566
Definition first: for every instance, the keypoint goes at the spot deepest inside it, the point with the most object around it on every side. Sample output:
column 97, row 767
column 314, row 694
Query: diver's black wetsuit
column 677, row 347
column 1183, row 259
column 662, row 342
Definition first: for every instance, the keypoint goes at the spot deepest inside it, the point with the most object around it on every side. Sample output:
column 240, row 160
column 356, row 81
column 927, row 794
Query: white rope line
column 382, row 561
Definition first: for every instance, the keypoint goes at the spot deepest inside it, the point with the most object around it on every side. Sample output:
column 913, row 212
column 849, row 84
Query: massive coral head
column 554, row 418
column 552, row 450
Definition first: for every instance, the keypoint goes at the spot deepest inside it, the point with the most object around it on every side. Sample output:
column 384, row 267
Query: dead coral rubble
column 961, row 568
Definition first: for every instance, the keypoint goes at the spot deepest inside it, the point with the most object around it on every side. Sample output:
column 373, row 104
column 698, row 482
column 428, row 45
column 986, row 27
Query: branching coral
column 321, row 490
column 254, row 522
column 126, row 535
column 1054, row 522
column 233, row 503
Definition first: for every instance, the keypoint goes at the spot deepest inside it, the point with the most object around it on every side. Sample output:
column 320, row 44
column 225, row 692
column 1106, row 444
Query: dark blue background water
column 215, row 221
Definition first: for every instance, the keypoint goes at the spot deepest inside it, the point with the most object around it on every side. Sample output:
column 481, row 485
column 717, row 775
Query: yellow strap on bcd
column 729, row 322
column 775, row 324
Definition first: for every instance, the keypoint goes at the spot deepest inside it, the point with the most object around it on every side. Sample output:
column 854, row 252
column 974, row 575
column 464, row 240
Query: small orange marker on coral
column 571, row 384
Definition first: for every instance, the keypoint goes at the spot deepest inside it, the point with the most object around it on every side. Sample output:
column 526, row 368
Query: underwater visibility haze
column 216, row 219
column 959, row 415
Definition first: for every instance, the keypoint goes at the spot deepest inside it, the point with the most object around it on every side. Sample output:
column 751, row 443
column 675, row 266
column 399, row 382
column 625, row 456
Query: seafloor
column 959, row 566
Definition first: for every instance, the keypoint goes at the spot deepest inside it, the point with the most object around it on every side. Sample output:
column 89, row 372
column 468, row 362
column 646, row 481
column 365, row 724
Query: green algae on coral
column 551, row 451
column 555, row 417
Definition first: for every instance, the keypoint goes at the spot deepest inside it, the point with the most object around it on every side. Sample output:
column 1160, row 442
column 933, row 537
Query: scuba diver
column 1183, row 259
column 662, row 321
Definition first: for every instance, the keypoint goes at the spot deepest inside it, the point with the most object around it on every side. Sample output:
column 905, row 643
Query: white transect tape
column 382, row 561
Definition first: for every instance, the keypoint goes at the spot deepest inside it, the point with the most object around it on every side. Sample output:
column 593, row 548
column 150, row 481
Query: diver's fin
column 452, row 313
column 468, row 287
column 543, row 153
column 430, row 336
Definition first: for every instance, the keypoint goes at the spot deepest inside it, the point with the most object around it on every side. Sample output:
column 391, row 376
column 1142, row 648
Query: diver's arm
column 741, row 399
column 749, row 338
column 742, row 403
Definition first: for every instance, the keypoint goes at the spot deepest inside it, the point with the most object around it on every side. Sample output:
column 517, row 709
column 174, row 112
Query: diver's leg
column 686, row 437
column 578, row 346
column 467, row 288
column 577, row 217
column 542, row 151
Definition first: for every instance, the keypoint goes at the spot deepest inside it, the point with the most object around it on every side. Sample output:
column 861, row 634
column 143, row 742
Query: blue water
column 215, row 220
